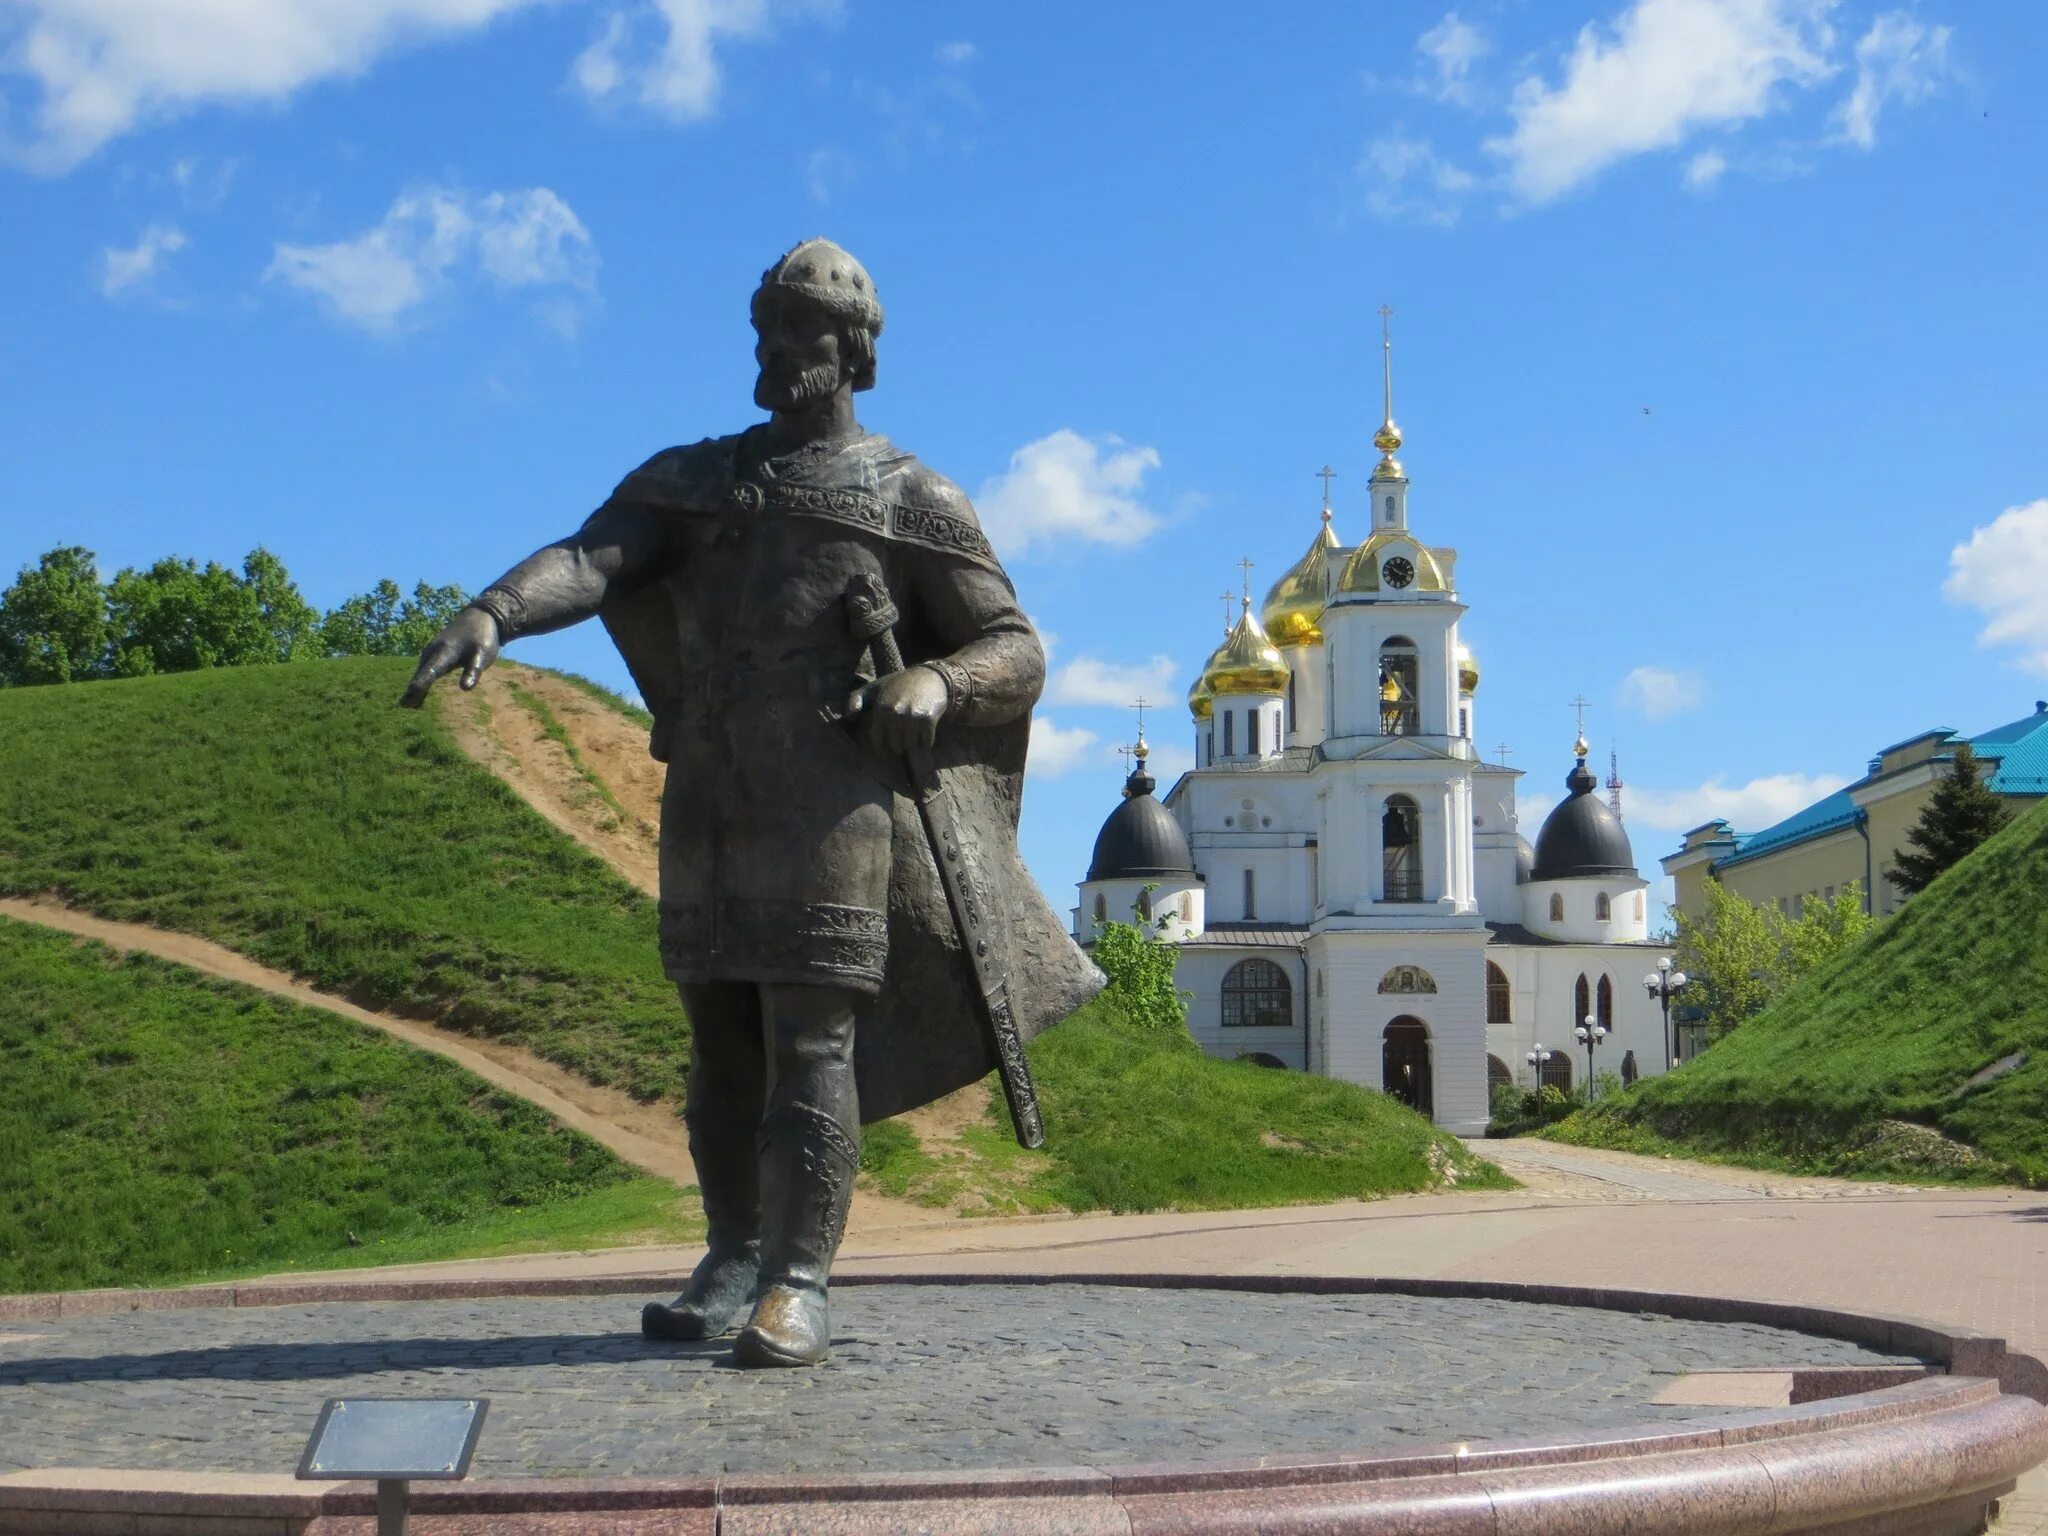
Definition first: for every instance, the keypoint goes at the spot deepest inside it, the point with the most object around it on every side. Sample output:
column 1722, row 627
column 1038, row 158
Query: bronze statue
column 841, row 682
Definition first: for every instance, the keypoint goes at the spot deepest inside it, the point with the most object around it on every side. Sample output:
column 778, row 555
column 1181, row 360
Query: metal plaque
column 394, row 1437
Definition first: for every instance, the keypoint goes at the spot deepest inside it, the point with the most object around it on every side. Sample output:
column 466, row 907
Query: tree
column 1140, row 968
column 1962, row 812
column 381, row 623
column 1824, row 930
column 178, row 617
column 1732, row 954
column 53, row 621
column 292, row 622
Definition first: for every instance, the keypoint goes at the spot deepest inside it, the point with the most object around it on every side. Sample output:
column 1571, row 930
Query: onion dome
column 1583, row 836
column 1468, row 670
column 1201, row 694
column 1140, row 840
column 1294, row 608
column 1247, row 662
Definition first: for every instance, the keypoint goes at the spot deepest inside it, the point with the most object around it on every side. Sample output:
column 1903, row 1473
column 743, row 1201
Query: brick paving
column 922, row 1377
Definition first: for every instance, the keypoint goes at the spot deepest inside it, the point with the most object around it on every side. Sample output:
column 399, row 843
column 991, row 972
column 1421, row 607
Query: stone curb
column 1924, row 1458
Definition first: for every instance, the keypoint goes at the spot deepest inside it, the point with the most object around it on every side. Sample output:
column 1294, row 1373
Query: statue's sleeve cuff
column 959, row 686
column 505, row 606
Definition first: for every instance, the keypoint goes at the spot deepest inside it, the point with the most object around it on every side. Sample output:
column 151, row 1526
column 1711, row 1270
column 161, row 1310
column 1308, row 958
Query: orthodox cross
column 1245, row 565
column 1579, row 703
column 1502, row 752
column 1229, row 608
column 1326, row 475
column 1139, row 706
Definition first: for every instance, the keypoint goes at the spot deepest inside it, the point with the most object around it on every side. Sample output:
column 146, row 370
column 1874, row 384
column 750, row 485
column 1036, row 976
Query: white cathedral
column 1344, row 874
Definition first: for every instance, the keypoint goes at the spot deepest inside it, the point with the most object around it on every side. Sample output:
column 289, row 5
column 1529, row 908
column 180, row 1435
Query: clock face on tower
column 1398, row 572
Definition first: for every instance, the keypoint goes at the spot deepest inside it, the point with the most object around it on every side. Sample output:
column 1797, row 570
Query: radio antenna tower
column 1614, row 785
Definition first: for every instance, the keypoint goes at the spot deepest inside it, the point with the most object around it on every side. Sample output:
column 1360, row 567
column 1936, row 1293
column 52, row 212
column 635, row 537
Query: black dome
column 1582, row 836
column 1525, row 860
column 1141, row 839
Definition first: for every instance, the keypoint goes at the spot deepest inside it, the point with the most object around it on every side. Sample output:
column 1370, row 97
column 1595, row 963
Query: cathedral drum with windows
column 1343, row 873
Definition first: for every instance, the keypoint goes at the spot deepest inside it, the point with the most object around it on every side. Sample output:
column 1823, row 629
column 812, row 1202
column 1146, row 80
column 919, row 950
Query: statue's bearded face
column 801, row 355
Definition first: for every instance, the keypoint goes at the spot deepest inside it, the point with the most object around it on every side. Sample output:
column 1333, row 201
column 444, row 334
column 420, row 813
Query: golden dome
column 1362, row 570
column 1247, row 662
column 1296, row 602
column 1200, row 695
column 1388, row 438
column 1580, row 748
column 1468, row 670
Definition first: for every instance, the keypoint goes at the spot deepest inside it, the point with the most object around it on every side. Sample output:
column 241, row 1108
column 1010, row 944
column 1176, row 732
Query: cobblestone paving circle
column 921, row 1377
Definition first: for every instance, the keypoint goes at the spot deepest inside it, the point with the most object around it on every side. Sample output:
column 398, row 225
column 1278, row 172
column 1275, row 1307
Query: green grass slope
column 296, row 814
column 157, row 1126
column 1140, row 1119
column 1891, row 1032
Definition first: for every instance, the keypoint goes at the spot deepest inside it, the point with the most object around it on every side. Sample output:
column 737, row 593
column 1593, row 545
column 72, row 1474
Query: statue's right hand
column 470, row 641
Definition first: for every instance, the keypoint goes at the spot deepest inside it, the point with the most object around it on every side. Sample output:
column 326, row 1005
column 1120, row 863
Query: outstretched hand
column 903, row 710
column 470, row 642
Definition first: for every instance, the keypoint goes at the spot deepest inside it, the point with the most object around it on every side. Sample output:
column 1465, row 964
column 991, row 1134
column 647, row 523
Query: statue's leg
column 810, row 1151
column 722, row 1108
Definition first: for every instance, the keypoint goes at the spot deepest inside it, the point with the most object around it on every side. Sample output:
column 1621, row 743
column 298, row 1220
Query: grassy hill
column 156, row 1125
column 295, row 814
column 1866, row 1067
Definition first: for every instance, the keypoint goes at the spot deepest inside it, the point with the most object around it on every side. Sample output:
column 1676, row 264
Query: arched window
column 1582, row 1000
column 1251, row 896
column 1278, row 743
column 1399, row 690
column 1229, row 733
column 1256, row 992
column 1145, row 903
column 1497, row 995
column 1101, row 907
column 1557, row 1072
column 1603, row 1008
column 1407, row 978
column 1290, row 703
column 1603, row 909
column 1187, row 906
column 1401, row 850
column 1639, row 906
column 1263, row 1059
column 1497, row 1075
column 1557, row 906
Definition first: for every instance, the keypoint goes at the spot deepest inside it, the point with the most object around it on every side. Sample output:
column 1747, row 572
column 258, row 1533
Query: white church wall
column 1544, row 1007
column 1358, row 1013
column 1200, row 970
column 1177, row 906
column 1247, row 726
column 1309, row 666
column 1579, row 903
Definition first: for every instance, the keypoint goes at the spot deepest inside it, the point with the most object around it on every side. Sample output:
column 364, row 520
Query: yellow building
column 1853, row 835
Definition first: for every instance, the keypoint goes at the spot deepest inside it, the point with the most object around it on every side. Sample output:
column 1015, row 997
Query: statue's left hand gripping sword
column 873, row 616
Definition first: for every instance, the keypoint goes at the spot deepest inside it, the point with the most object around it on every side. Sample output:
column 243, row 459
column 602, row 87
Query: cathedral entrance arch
column 1404, row 1065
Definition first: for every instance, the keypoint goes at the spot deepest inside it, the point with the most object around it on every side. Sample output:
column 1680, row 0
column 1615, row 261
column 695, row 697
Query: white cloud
column 1407, row 181
column 1660, row 693
column 1898, row 59
column 1086, row 680
column 956, row 53
column 662, row 55
column 1704, row 170
column 95, row 69
column 526, row 239
column 1451, row 48
column 1662, row 71
column 1168, row 762
column 1750, row 807
column 2002, row 572
column 1056, row 748
column 1065, row 489
column 124, row 271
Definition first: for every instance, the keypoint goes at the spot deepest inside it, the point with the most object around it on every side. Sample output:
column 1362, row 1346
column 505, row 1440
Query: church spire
column 1388, row 438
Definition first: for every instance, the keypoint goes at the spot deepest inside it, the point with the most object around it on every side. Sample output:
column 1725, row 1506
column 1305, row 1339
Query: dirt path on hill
column 648, row 1136
column 607, row 796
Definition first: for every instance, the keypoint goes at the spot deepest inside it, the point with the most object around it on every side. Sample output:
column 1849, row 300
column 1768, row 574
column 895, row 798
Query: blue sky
column 1717, row 323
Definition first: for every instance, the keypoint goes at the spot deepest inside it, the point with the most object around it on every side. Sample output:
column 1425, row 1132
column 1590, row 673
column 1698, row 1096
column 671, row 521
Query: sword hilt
column 871, row 614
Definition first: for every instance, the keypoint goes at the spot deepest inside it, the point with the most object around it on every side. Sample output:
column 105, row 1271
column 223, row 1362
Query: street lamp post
column 1590, row 1034
column 1663, row 984
column 1536, row 1058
